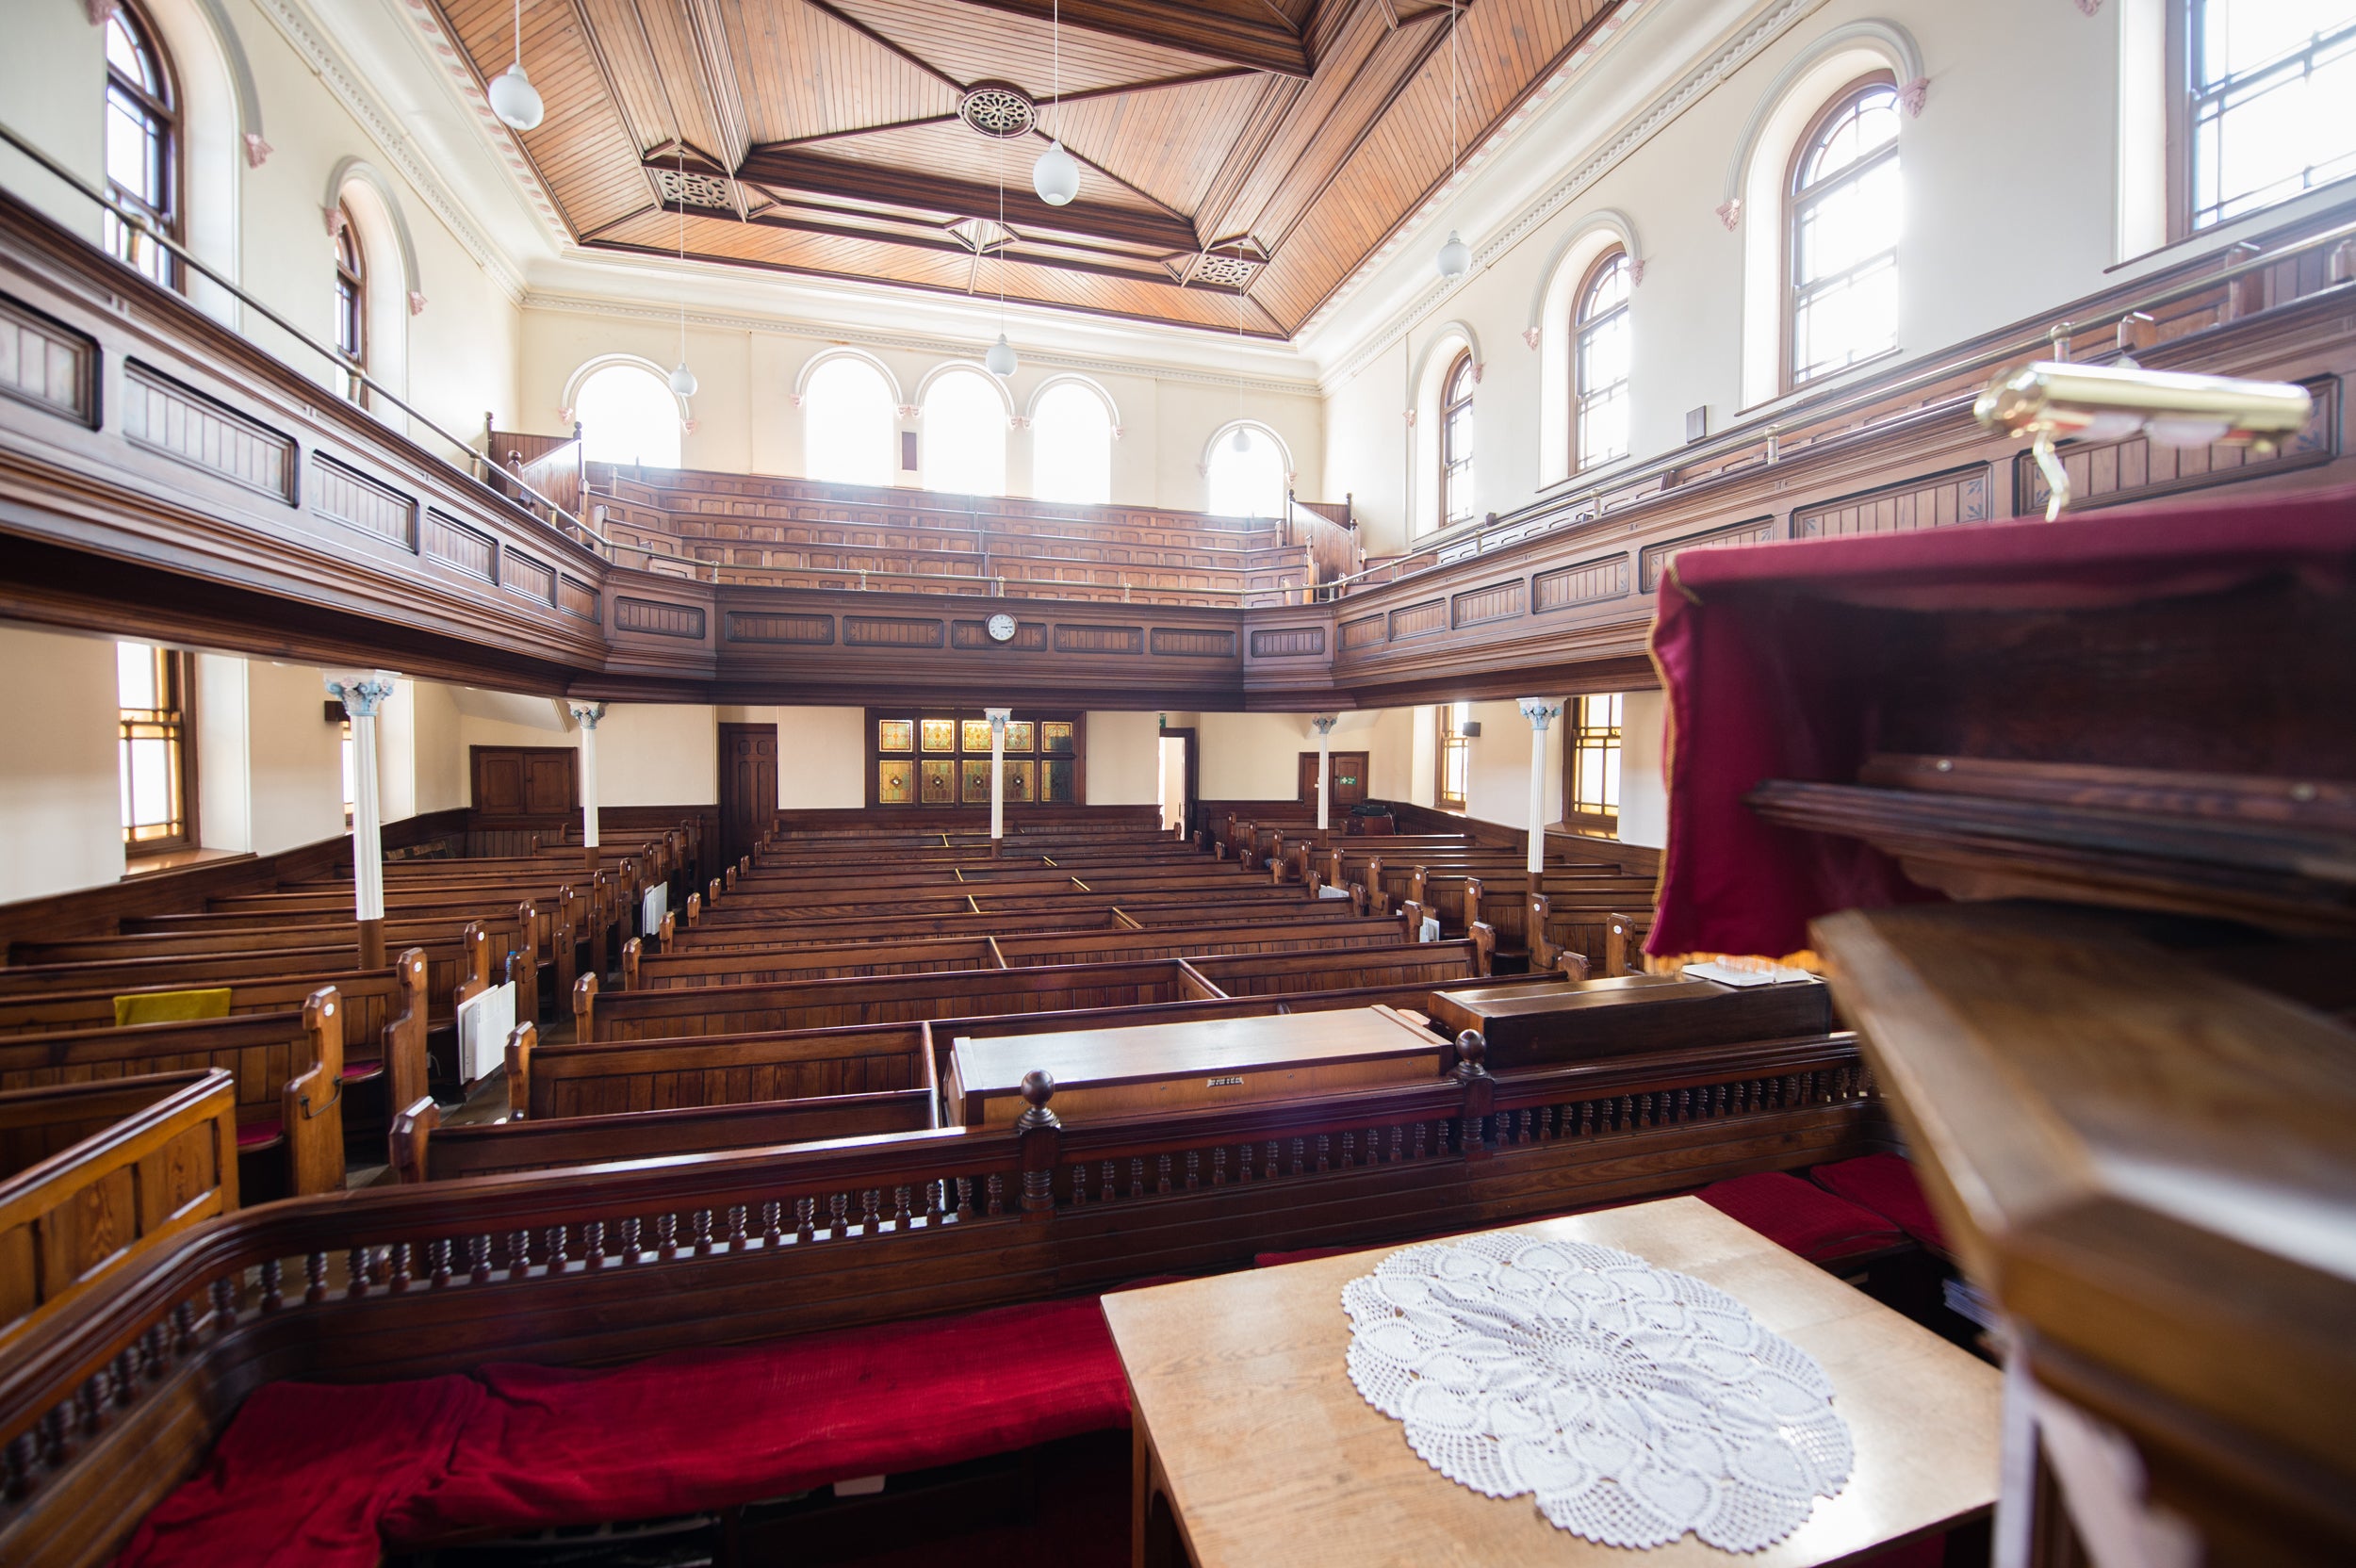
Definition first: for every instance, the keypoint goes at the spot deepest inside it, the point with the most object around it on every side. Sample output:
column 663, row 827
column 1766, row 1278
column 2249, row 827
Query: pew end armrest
column 406, row 1138
column 521, row 1041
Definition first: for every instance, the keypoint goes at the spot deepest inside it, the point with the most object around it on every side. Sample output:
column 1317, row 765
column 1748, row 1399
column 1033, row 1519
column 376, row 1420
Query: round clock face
column 1001, row 628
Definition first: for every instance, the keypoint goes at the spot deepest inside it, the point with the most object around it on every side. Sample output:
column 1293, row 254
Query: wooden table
column 1254, row 1448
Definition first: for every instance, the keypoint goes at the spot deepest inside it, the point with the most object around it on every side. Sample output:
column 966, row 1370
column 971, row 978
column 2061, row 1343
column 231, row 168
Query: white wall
column 1643, row 776
column 1496, row 784
column 648, row 754
column 60, row 790
column 295, row 758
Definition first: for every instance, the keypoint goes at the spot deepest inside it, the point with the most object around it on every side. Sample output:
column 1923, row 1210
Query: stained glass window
column 895, row 735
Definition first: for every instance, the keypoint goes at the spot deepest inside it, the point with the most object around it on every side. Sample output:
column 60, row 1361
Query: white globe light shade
column 1455, row 257
column 1000, row 361
column 684, row 380
column 1056, row 176
column 514, row 100
column 1243, row 439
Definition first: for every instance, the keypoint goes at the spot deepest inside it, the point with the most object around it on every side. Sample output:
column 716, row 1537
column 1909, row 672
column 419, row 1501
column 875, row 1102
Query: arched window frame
column 932, row 443
column 1041, row 400
column 1589, row 325
column 581, row 377
column 1456, row 471
column 1224, row 436
column 351, row 305
column 820, row 365
column 1799, row 199
column 154, row 108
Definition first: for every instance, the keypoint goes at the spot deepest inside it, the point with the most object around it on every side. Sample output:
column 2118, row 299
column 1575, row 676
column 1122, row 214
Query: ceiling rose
column 998, row 111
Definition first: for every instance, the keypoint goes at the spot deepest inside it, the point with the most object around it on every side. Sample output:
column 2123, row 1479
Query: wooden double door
column 526, row 781
column 1346, row 775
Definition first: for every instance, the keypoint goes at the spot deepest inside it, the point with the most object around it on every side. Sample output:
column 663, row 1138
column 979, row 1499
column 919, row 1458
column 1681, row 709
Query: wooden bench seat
column 823, row 1003
column 1422, row 964
column 722, row 1068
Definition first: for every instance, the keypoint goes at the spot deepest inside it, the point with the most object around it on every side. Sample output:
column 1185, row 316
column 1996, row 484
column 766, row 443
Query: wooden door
column 748, row 785
column 1348, row 776
column 518, row 781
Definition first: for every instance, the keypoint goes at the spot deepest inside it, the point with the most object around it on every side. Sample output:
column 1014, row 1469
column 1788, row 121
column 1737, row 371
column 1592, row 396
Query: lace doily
column 1635, row 1403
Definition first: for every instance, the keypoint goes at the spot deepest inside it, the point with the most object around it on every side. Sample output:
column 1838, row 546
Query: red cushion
column 1801, row 1215
column 354, row 1471
column 356, row 1072
column 1885, row 1183
column 259, row 1133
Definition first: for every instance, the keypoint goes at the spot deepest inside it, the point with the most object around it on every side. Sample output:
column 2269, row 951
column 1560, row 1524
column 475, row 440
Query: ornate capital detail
column 1531, row 335
column 416, row 302
column 907, row 411
column 586, row 714
column 1324, row 723
column 1914, row 93
column 333, row 217
column 1730, row 212
column 1203, row 469
column 2089, row 6
column 1410, row 415
column 1018, row 421
column 564, row 416
column 997, row 717
column 1119, row 430
column 99, row 10
column 1539, row 711
column 363, row 692
column 258, row 152
column 1480, row 368
column 687, row 427
column 1635, row 273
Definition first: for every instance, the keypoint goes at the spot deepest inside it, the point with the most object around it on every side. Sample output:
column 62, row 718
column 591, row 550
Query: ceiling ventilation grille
column 693, row 189
column 997, row 110
column 1226, row 272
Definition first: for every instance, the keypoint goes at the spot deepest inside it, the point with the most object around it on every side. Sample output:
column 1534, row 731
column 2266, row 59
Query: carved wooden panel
column 165, row 416
column 2108, row 472
column 1419, row 620
column 810, row 630
column 890, row 631
column 1935, row 500
column 1288, row 641
column 1753, row 531
column 47, row 364
column 1172, row 641
column 353, row 497
column 657, row 618
column 1363, row 632
column 1499, row 601
column 1581, row 582
column 576, row 597
column 525, row 576
column 1029, row 636
column 1100, row 639
column 469, row 550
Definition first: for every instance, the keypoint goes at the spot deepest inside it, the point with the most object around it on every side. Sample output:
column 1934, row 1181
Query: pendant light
column 1056, row 174
column 1455, row 257
column 1000, row 361
column 682, row 379
column 513, row 99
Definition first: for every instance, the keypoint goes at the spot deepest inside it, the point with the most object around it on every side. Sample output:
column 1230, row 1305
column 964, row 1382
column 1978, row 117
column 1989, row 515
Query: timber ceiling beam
column 1263, row 42
column 790, row 169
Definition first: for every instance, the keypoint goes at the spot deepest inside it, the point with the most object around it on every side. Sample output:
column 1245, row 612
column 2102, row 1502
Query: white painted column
column 363, row 693
column 997, row 717
column 1541, row 713
column 1323, row 723
column 586, row 714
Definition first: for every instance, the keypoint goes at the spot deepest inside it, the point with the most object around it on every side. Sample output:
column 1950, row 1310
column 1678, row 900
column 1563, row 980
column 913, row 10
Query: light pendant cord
column 998, row 156
column 519, row 32
column 682, row 246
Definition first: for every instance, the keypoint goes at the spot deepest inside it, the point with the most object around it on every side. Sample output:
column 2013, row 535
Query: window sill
column 172, row 860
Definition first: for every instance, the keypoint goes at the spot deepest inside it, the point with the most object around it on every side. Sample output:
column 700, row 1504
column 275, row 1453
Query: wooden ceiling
column 1240, row 158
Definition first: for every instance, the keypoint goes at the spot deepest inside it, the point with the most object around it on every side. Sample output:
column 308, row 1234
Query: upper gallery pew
column 384, row 1021
column 422, row 1150
column 92, row 1174
column 287, row 1066
column 815, row 1003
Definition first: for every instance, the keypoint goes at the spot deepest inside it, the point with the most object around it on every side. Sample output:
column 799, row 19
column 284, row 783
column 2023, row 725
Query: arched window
column 352, row 306
column 847, row 417
column 965, row 436
column 1246, row 480
column 628, row 416
column 1600, row 362
column 1072, row 446
column 1847, row 207
column 143, row 144
column 1456, row 443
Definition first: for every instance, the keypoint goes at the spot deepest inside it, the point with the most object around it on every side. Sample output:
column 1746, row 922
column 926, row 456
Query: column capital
column 1540, row 712
column 1324, row 723
column 363, row 692
column 997, row 717
column 586, row 714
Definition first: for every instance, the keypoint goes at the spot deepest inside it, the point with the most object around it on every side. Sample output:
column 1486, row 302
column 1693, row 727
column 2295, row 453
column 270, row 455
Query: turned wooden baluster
column 1039, row 1134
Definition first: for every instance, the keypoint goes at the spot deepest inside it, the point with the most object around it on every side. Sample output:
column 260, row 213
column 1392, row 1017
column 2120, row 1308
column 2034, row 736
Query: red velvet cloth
column 1886, row 1185
column 1800, row 1216
column 260, row 1133
column 1765, row 652
column 342, row 1473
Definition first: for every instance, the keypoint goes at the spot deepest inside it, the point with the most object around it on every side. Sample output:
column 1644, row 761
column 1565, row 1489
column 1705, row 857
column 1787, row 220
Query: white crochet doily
column 1637, row 1404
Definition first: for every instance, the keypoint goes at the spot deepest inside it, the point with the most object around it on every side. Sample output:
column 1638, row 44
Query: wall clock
column 1001, row 628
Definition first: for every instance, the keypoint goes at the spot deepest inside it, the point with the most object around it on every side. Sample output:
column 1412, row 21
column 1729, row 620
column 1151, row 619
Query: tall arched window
column 1246, row 480
column 143, row 144
column 1456, row 443
column 352, row 306
column 628, row 416
column 847, row 416
column 965, row 436
column 1600, row 362
column 1847, row 207
column 1072, row 446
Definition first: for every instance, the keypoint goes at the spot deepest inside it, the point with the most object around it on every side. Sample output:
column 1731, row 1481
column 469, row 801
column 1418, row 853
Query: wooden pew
column 1422, row 964
column 93, row 1174
column 384, row 1021
column 817, row 1003
column 421, row 1150
column 552, row 1082
column 288, row 1068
